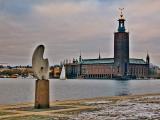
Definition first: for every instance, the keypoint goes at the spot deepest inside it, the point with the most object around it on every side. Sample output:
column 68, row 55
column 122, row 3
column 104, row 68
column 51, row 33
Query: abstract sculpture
column 40, row 65
column 41, row 72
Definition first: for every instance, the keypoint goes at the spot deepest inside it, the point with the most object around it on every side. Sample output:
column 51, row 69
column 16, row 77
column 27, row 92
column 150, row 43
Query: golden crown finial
column 121, row 13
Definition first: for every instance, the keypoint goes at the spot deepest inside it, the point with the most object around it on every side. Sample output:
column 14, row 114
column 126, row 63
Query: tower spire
column 121, row 13
column 121, row 27
column 147, row 58
column 80, row 57
column 99, row 54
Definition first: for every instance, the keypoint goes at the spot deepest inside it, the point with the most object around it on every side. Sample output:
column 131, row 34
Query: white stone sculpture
column 39, row 64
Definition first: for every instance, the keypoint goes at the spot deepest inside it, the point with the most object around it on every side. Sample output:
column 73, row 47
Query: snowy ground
column 133, row 107
column 143, row 108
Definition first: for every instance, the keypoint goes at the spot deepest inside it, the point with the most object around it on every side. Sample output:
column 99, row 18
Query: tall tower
column 121, row 47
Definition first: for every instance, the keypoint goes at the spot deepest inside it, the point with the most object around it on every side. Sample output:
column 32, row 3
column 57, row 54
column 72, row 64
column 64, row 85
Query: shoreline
column 86, row 99
column 140, row 106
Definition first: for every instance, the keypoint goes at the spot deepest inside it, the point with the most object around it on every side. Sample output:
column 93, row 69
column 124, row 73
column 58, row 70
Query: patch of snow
column 152, row 97
column 97, row 102
column 122, row 110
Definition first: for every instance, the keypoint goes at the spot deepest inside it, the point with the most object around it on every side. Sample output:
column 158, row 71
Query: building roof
column 98, row 61
column 110, row 61
column 136, row 61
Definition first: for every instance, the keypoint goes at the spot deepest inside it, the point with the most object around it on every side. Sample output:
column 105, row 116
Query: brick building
column 121, row 66
column 55, row 71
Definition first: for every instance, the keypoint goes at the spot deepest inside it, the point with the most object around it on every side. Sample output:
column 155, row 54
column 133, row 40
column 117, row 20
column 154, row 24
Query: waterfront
column 14, row 91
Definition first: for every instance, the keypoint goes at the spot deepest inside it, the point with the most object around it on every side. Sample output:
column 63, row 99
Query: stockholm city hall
column 119, row 67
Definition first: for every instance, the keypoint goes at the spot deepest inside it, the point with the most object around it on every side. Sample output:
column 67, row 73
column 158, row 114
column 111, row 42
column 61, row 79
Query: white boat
column 63, row 74
column 30, row 77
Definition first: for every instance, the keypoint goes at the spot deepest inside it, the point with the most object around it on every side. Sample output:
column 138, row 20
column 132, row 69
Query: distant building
column 154, row 71
column 15, row 71
column 121, row 66
column 158, row 73
column 55, row 71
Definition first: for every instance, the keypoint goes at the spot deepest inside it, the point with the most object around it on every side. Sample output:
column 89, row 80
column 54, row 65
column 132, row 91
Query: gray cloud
column 66, row 27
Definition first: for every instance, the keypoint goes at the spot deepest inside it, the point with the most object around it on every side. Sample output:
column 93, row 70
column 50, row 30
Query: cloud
column 59, row 9
column 66, row 27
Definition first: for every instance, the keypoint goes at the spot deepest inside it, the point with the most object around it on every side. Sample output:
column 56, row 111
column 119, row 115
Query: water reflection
column 22, row 90
column 122, row 88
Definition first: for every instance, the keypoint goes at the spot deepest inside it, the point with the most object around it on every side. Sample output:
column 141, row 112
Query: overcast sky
column 67, row 27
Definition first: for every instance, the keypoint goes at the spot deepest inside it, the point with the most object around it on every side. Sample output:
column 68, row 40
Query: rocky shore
column 134, row 107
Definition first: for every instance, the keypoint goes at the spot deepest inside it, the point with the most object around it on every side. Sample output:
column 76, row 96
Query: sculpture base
column 42, row 94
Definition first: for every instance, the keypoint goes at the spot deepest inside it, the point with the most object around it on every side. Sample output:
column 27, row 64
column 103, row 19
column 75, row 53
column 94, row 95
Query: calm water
column 22, row 90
